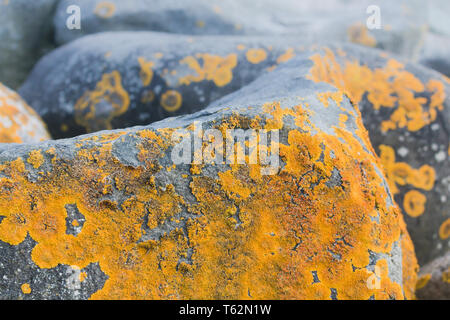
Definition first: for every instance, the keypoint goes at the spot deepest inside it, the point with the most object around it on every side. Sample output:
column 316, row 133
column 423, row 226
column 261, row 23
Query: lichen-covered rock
column 434, row 280
column 113, row 215
column 25, row 34
column 406, row 109
column 327, row 20
column 122, row 79
column 18, row 122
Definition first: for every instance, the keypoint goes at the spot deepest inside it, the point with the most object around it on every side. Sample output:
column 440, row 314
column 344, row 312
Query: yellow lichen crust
column 171, row 100
column 256, row 56
column 146, row 72
column 444, row 230
column 26, row 288
column 96, row 108
column 388, row 87
column 298, row 234
column 215, row 68
column 423, row 281
column 105, row 9
column 18, row 122
column 359, row 33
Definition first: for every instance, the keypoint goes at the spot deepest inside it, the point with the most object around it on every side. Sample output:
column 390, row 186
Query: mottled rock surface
column 434, row 280
column 402, row 22
column 25, row 34
column 18, row 122
column 131, row 224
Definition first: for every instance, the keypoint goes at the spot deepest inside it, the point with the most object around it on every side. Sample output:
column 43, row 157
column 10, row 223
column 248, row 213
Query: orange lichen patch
column 359, row 33
column 256, row 56
column 146, row 72
column 105, row 9
column 423, row 281
column 18, row 122
column 400, row 173
column 446, row 276
column 109, row 96
column 246, row 236
column 240, row 47
column 215, row 68
column 414, row 203
column 336, row 96
column 36, row 159
column 288, row 55
column 200, row 23
column 171, row 100
column 389, row 87
column 82, row 276
column 26, row 288
column 409, row 262
column 444, row 230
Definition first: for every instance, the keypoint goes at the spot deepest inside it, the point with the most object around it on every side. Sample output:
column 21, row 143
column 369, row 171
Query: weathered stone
column 435, row 53
column 402, row 22
column 121, row 79
column 25, row 34
column 434, row 280
column 322, row 226
column 18, row 122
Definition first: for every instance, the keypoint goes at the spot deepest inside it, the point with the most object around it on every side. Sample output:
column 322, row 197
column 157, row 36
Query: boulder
column 434, row 53
column 25, row 35
column 434, row 280
column 166, row 211
column 402, row 23
column 18, row 122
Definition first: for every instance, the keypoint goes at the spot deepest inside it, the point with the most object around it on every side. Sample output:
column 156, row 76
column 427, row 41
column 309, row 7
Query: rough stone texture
column 324, row 226
column 435, row 53
column 18, row 122
column 120, row 79
column 402, row 22
column 25, row 34
column 434, row 280
column 405, row 107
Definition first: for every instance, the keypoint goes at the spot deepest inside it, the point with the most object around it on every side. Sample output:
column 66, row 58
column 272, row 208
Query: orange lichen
column 35, row 158
column 256, row 56
column 444, row 230
column 414, row 203
column 288, row 55
column 26, row 288
column 146, row 72
column 215, row 68
column 359, row 33
column 388, row 87
column 18, row 122
column 108, row 93
column 335, row 96
column 147, row 96
column 423, row 281
column 246, row 236
column 171, row 100
column 105, row 9
column 446, row 276
column 400, row 173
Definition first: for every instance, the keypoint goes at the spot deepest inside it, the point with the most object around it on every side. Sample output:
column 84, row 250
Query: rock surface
column 111, row 213
column 402, row 22
column 18, row 122
column 25, row 34
column 434, row 280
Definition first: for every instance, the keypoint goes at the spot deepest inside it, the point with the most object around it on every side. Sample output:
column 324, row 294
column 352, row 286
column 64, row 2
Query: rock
column 434, row 53
column 128, row 215
column 18, row 122
column 434, row 280
column 25, row 34
column 122, row 79
column 405, row 108
column 402, row 23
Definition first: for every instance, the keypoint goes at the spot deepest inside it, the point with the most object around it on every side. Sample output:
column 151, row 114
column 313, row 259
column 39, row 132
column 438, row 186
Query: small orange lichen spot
column 444, row 230
column 105, row 9
column 26, row 288
column 215, row 68
column 146, row 72
column 171, row 100
column 109, row 89
column 288, row 55
column 147, row 96
column 238, row 26
column 64, row 127
column 240, row 47
column 75, row 223
column 400, row 173
column 335, row 96
column 359, row 33
column 414, row 203
column 108, row 54
column 35, row 158
column 82, row 276
column 200, row 24
column 256, row 56
column 422, row 281
column 446, row 276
